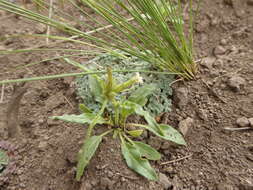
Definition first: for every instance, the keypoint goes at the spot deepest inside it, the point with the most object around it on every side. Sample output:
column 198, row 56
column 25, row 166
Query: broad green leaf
column 96, row 87
column 84, row 108
column 164, row 131
column 150, row 120
column 136, row 162
column 3, row 159
column 82, row 118
column 147, row 151
column 140, row 95
column 135, row 133
column 170, row 133
column 126, row 109
column 87, row 151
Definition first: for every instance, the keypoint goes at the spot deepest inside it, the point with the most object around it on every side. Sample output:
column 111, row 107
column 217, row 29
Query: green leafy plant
column 115, row 108
column 152, row 30
column 4, row 160
column 158, row 102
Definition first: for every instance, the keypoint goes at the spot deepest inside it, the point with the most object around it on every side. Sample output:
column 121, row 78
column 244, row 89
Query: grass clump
column 152, row 30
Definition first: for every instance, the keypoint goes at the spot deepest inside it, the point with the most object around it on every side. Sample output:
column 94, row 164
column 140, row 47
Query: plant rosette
column 157, row 103
column 114, row 109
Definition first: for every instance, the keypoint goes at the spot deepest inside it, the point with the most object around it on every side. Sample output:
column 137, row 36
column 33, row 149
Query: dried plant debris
column 158, row 103
column 8, row 162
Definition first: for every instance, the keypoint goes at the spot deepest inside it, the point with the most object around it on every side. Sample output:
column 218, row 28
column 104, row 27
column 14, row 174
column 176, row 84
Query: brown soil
column 215, row 158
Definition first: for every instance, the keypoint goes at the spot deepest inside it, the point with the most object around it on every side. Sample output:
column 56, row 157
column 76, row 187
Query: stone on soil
column 242, row 122
column 181, row 97
column 164, row 181
column 42, row 145
column 208, row 62
column 106, row 183
column 251, row 121
column 54, row 100
column 40, row 28
column 219, row 50
column 236, row 83
column 184, row 125
column 223, row 42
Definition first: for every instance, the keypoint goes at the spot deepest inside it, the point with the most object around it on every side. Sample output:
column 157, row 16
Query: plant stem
column 128, row 139
column 121, row 138
column 105, row 133
column 94, row 121
column 49, row 16
column 80, row 74
column 116, row 111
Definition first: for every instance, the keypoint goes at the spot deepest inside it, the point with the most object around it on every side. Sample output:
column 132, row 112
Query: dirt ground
column 44, row 157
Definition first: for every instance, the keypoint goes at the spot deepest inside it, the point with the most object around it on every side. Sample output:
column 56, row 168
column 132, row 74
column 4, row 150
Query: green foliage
column 82, row 118
column 153, row 31
column 115, row 106
column 136, row 162
column 156, row 103
column 4, row 160
column 147, row 151
column 87, row 151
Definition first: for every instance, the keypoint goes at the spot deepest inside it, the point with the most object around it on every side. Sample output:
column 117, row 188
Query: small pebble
column 219, row 50
column 208, row 62
column 184, row 125
column 41, row 121
column 251, row 121
column 223, row 42
column 181, row 97
column 164, row 181
column 214, row 21
column 42, row 145
column 236, row 83
column 40, row 28
column 242, row 122
column 106, row 183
